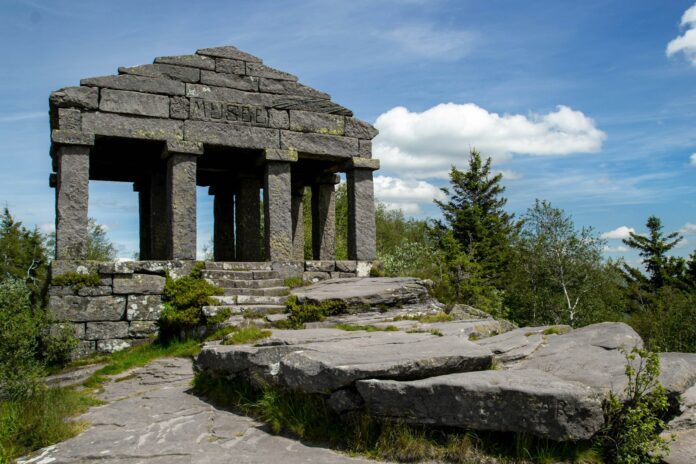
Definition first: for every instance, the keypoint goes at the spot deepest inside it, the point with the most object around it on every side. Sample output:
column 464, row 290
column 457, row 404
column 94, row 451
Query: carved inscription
column 211, row 110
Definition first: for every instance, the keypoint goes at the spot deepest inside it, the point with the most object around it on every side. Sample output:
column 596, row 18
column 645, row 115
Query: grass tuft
column 426, row 318
column 366, row 328
column 245, row 335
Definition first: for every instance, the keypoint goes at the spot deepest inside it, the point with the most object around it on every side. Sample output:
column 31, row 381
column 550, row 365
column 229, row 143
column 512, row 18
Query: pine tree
column 474, row 213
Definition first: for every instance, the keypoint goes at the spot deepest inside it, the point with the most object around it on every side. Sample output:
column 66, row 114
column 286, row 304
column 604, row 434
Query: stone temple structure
column 220, row 119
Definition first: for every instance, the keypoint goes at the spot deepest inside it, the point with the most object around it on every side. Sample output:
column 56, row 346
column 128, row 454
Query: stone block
column 346, row 266
column 55, row 290
column 83, row 309
column 365, row 148
column 229, row 134
column 223, row 65
column 102, row 330
column 69, row 119
column 116, row 267
column 144, row 307
column 76, row 97
column 65, row 266
column 363, row 268
column 233, row 81
column 142, row 329
column 320, row 266
column 227, row 95
column 320, row 123
column 131, row 127
column 176, row 268
column 66, row 137
column 290, row 88
column 84, row 348
column 347, row 275
column 220, row 111
column 228, row 52
column 181, row 147
column 137, row 84
column 261, row 70
column 100, row 290
column 315, row 277
column 319, row 144
column 363, row 163
column 277, row 154
column 77, row 330
column 288, row 269
column 139, row 284
column 299, row 102
column 113, row 345
column 360, row 129
column 193, row 61
column 278, row 119
column 142, row 104
column 179, row 108
column 164, row 71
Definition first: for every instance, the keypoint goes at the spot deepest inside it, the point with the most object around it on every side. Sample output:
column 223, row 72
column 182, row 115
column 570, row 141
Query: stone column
column 223, row 229
column 158, row 212
column 248, row 219
column 72, row 199
column 143, row 189
column 277, row 195
column 361, row 209
column 324, row 217
column 298, row 235
column 181, row 160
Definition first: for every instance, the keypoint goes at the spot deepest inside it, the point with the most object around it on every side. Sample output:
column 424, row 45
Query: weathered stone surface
column 132, row 127
column 678, row 372
column 143, row 104
column 278, row 154
column 76, row 330
column 345, row 400
column 461, row 311
column 233, row 135
column 113, row 345
column 76, row 97
column 320, row 266
column 223, row 65
column 346, row 266
column 681, row 431
column 519, row 343
column 228, row 52
column 261, row 70
column 179, row 108
column 69, row 119
column 298, row 102
column 382, row 355
column 82, row 309
column 64, row 266
column 195, row 61
column 364, row 292
column 232, row 81
column 102, row 330
column 224, row 94
column 164, row 71
column 324, row 219
column 74, row 377
column 99, row 290
column 290, row 88
column 362, row 232
column 137, row 84
column 143, row 284
column 142, row 329
column 278, row 119
column 248, row 219
column 66, row 137
column 528, row 401
column 360, row 129
column 590, row 355
column 365, row 148
column 321, row 123
column 277, row 217
column 143, row 307
column 84, row 348
column 315, row 276
column 219, row 111
column 181, row 206
column 319, row 144
column 72, row 197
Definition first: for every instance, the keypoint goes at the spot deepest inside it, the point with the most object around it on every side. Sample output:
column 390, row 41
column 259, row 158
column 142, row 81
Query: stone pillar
column 72, row 199
column 324, row 217
column 277, row 195
column 361, row 209
column 223, row 229
column 298, row 235
column 248, row 219
column 181, row 160
column 158, row 212
column 143, row 189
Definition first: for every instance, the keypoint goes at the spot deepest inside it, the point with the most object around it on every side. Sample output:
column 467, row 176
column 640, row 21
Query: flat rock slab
column 152, row 418
column 590, row 355
column 362, row 293
column 519, row 343
column 528, row 401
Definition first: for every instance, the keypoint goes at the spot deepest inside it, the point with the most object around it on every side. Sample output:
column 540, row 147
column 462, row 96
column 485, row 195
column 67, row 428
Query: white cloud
column 688, row 229
column 692, row 160
column 616, row 249
column 405, row 195
column 618, row 233
column 509, row 174
column 686, row 43
column 18, row 117
column 430, row 42
column 426, row 144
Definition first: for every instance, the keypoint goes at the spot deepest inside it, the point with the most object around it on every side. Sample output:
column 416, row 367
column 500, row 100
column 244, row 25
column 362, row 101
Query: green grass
column 366, row 328
column 436, row 332
column 246, row 335
column 426, row 318
column 295, row 282
column 556, row 330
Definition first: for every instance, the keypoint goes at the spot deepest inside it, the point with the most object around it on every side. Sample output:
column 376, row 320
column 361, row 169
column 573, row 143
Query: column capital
column 181, row 147
column 332, row 179
column 288, row 155
column 60, row 138
column 361, row 163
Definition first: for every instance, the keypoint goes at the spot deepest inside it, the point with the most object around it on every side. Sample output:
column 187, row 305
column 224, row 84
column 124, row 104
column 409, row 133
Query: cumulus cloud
column 405, row 195
column 688, row 229
column 616, row 249
column 618, row 233
column 692, row 160
column 426, row 144
column 686, row 43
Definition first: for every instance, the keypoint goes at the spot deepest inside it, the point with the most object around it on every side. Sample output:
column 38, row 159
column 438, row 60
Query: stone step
column 243, row 283
column 239, row 275
column 238, row 266
column 251, row 300
column 271, row 291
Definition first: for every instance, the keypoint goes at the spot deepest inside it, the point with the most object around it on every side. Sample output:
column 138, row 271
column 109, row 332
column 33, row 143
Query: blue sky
column 578, row 103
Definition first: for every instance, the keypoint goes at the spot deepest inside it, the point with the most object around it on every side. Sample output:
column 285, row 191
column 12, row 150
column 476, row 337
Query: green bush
column 310, row 312
column 633, row 421
column 76, row 280
column 184, row 299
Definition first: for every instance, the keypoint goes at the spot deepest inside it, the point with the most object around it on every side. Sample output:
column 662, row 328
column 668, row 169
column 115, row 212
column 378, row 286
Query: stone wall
column 119, row 312
column 315, row 271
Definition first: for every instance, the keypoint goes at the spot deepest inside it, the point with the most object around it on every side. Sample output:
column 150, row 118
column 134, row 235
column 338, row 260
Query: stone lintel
column 65, row 137
column 279, row 154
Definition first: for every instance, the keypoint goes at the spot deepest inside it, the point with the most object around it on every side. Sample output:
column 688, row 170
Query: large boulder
column 528, row 401
column 681, row 431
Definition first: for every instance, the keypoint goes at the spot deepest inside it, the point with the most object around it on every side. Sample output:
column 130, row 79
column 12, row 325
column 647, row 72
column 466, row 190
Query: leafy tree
column 474, row 212
column 99, row 246
column 558, row 274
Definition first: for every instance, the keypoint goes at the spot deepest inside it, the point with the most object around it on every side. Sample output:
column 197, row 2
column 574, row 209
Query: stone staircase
column 252, row 289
